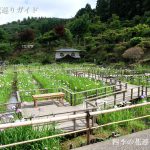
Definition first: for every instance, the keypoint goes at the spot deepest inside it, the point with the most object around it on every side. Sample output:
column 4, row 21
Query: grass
column 6, row 81
column 124, row 115
column 19, row 134
column 26, row 82
column 56, row 79
column 136, row 80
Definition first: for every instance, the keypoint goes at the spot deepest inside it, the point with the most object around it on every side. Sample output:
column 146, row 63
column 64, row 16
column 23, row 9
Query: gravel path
column 135, row 141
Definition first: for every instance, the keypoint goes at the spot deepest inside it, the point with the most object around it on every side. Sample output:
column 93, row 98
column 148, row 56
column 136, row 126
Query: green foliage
column 115, row 22
column 123, row 8
column 28, row 133
column 5, row 50
column 87, row 10
column 125, row 115
column 111, row 28
column 3, row 35
column 134, row 41
column 79, row 26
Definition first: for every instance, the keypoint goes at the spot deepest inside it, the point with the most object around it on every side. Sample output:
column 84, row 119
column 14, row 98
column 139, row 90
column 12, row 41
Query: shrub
column 133, row 53
column 134, row 41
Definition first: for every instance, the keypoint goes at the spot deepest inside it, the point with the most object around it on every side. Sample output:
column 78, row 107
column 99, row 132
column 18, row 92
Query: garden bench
column 59, row 96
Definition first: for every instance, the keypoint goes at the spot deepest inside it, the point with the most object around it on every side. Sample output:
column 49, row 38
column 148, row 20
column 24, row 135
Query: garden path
column 135, row 141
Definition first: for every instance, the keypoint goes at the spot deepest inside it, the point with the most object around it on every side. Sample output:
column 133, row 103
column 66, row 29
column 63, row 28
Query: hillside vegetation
column 116, row 31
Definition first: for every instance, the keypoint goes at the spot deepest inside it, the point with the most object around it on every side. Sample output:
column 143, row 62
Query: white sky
column 12, row 10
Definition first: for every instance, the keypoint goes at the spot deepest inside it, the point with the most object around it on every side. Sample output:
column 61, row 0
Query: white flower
column 17, row 121
column 11, row 116
column 13, row 107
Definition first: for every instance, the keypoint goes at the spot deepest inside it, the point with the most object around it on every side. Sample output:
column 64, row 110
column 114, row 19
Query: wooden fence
column 88, row 127
column 121, row 97
column 73, row 98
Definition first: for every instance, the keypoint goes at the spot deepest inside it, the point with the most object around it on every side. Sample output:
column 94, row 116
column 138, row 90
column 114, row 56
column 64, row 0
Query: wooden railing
column 73, row 98
column 88, row 127
column 121, row 97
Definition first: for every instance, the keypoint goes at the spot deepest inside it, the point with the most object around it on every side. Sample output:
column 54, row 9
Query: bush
column 133, row 53
column 134, row 41
column 5, row 50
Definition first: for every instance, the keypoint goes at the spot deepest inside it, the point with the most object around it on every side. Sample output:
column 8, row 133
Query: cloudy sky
column 12, row 10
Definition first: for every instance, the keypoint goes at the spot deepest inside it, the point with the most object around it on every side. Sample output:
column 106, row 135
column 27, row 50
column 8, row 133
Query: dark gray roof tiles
column 67, row 50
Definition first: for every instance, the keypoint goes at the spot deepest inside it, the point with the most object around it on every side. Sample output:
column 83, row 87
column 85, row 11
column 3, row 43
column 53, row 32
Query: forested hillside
column 116, row 31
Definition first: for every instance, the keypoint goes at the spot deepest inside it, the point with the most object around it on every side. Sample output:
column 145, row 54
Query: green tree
column 102, row 9
column 79, row 27
column 3, row 35
column 115, row 22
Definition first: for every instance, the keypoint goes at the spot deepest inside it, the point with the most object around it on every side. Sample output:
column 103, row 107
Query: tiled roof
column 67, row 50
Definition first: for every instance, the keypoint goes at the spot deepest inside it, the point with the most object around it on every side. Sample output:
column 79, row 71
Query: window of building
column 62, row 54
column 73, row 54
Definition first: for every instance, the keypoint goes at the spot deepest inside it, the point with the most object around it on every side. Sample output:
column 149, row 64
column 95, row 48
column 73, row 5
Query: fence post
column 74, row 122
column 131, row 94
column 124, row 96
column 142, row 90
column 113, row 88
column 120, row 85
column 146, row 91
column 126, row 86
column 93, row 118
column 138, row 91
column 115, row 99
column 71, row 99
column 105, row 103
column 74, row 98
column 110, row 81
column 88, row 126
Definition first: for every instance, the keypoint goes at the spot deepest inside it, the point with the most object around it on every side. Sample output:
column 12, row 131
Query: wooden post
column 142, row 90
column 86, row 105
column 71, row 99
column 131, row 94
column 126, row 86
column 74, row 122
column 115, row 99
column 138, row 91
column 110, row 81
column 113, row 88
column 86, row 95
column 105, row 105
column 88, row 126
column 146, row 91
column 120, row 85
column 124, row 96
column 74, row 98
column 93, row 119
